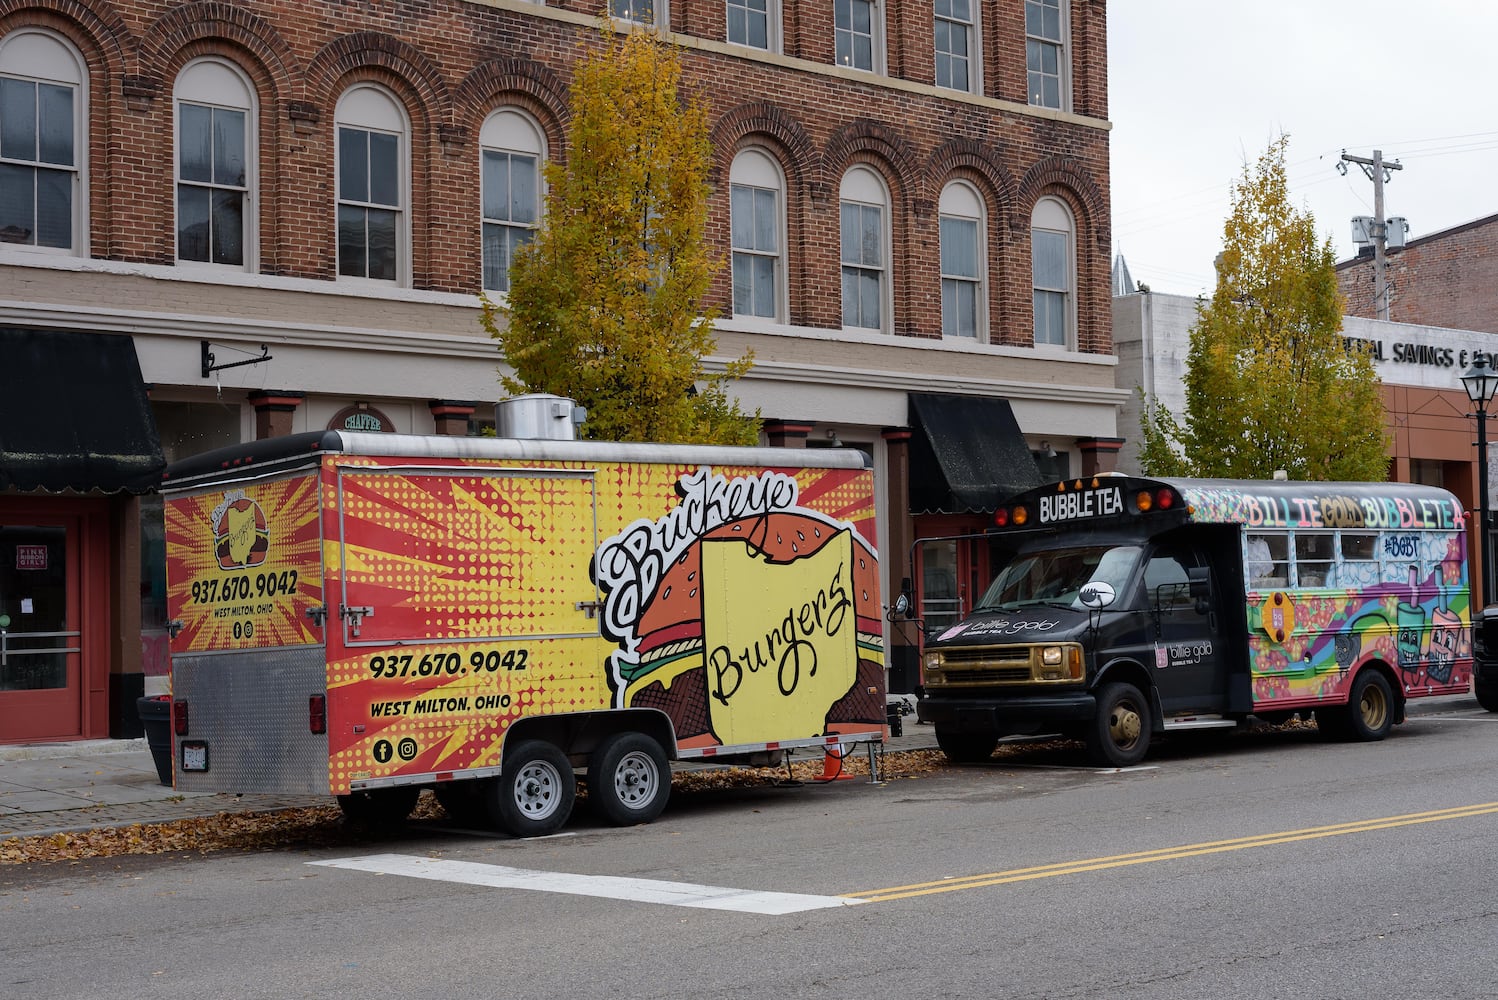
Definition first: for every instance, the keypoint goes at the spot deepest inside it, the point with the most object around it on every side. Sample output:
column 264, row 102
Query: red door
column 41, row 677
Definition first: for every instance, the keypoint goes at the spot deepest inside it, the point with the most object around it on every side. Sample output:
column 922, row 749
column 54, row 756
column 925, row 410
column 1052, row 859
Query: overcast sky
column 1199, row 87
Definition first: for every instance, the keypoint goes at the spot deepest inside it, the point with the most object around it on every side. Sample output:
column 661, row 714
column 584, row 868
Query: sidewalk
column 66, row 787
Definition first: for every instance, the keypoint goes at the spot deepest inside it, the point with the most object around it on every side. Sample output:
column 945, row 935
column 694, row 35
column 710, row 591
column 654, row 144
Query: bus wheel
column 629, row 779
column 1120, row 733
column 535, row 790
column 966, row 747
column 1370, row 708
column 376, row 807
column 1487, row 694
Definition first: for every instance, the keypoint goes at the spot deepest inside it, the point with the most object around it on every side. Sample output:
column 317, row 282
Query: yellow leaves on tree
column 1270, row 381
column 605, row 304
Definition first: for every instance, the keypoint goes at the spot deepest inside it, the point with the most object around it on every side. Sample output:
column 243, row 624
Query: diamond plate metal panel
column 251, row 710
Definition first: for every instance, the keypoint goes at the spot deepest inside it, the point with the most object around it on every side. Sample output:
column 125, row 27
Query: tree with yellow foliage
column 1270, row 381
column 605, row 303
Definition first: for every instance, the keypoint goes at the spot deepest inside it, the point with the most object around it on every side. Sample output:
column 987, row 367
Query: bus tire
column 379, row 807
column 534, row 792
column 1487, row 694
column 1370, row 707
column 629, row 779
column 1120, row 732
column 966, row 747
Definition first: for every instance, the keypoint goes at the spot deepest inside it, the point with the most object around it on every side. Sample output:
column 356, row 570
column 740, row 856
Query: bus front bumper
column 1011, row 715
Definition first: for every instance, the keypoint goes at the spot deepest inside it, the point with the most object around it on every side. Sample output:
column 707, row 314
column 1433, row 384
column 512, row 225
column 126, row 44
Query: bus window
column 1313, row 558
column 1166, row 581
column 1267, row 560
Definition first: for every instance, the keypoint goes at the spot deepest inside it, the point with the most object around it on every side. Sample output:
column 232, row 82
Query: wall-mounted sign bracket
column 209, row 367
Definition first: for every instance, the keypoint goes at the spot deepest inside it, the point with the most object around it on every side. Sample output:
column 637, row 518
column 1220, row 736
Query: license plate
column 195, row 756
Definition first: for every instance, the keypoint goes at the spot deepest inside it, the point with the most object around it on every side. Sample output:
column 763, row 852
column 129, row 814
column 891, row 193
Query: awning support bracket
column 209, row 367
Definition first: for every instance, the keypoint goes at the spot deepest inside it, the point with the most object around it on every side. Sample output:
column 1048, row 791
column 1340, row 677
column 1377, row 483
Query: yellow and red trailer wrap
column 449, row 588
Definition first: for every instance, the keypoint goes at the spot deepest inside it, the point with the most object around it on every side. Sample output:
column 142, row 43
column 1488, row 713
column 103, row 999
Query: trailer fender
column 578, row 734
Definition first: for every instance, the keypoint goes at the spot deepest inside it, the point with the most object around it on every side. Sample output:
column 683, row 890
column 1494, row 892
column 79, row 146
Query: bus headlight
column 932, row 673
column 1050, row 656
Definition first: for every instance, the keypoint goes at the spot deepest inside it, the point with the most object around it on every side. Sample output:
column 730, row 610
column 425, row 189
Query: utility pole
column 1378, row 172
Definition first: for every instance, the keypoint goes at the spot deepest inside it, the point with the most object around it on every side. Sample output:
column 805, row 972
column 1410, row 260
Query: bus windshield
column 1056, row 576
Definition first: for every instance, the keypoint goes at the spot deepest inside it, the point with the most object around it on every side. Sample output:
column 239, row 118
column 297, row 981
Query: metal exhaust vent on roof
column 539, row 416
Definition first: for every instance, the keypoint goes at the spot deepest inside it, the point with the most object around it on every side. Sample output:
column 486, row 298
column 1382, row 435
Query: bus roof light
column 1143, row 502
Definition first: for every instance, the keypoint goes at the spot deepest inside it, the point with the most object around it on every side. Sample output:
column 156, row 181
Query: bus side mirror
column 1199, row 581
column 901, row 607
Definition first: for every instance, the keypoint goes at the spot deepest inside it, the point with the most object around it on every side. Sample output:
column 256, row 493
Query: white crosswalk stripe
column 705, row 897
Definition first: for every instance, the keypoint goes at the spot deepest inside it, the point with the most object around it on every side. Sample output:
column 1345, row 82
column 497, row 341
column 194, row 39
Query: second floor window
column 755, row 205
column 954, row 37
column 962, row 296
column 1044, row 52
column 856, row 26
column 512, row 155
column 865, row 249
column 371, row 183
column 749, row 23
column 1051, row 270
column 213, row 164
column 40, row 177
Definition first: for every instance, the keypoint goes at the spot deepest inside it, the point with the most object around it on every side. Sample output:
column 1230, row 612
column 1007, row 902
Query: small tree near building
column 605, row 303
column 1270, row 382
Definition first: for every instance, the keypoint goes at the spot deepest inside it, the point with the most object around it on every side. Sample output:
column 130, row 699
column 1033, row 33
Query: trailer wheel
column 1120, row 733
column 535, row 790
column 1370, row 707
column 966, row 747
column 378, row 807
column 629, row 779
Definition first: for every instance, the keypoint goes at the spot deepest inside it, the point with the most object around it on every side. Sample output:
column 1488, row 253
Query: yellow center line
column 1171, row 853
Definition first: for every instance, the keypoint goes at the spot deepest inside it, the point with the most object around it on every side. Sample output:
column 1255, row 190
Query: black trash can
column 156, row 717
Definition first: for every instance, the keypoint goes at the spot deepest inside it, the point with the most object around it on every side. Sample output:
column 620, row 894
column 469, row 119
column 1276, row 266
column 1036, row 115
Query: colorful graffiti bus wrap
column 1129, row 607
column 366, row 615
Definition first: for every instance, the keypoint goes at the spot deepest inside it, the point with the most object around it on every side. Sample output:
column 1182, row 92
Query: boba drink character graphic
column 1411, row 625
column 1445, row 638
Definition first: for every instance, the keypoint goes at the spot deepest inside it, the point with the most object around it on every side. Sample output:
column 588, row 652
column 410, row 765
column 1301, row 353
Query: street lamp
column 1481, row 381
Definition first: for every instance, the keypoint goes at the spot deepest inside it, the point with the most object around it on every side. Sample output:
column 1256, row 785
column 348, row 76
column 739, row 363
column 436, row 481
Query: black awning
column 74, row 414
column 966, row 454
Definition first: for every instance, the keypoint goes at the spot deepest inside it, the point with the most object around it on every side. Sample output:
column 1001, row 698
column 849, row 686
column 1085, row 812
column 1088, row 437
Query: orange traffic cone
column 832, row 764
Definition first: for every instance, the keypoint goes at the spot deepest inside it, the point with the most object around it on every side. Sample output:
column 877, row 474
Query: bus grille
column 987, row 665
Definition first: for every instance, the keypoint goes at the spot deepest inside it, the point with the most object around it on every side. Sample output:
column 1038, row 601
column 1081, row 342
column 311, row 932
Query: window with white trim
column 373, row 225
column 43, row 113
column 215, row 164
column 512, row 150
column 962, row 253
column 956, row 37
column 640, row 11
column 865, row 244
column 857, row 35
column 755, row 23
column 1052, row 268
column 1045, row 52
column 756, row 196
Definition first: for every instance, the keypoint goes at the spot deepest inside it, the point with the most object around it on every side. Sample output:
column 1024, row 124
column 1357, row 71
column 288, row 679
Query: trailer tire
column 966, row 747
column 1370, row 707
column 1120, row 733
column 629, row 779
column 379, row 807
column 534, row 792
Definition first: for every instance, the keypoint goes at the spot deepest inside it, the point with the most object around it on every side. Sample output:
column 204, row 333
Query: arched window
column 864, row 202
column 962, row 255
column 1053, row 269
column 756, row 190
column 513, row 149
column 43, row 117
column 215, row 164
column 373, row 226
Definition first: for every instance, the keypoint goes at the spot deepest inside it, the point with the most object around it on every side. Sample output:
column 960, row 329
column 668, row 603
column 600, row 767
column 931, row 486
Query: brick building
column 285, row 212
column 1447, row 279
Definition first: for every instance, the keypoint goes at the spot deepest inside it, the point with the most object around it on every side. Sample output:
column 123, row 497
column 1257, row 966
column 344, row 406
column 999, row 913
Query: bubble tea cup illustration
column 1411, row 624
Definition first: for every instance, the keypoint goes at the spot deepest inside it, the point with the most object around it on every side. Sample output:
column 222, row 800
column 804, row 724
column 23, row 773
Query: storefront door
column 41, row 677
